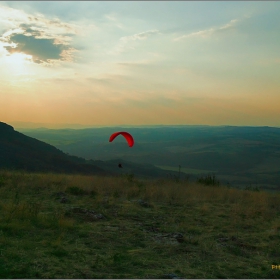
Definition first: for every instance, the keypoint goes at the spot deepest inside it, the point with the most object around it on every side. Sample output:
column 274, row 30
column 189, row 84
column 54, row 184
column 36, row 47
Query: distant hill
column 21, row 152
column 238, row 155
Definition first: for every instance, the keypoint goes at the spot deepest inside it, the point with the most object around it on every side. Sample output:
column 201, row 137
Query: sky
column 107, row 63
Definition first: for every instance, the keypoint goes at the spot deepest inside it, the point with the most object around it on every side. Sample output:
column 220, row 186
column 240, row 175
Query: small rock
column 64, row 200
column 99, row 216
column 59, row 195
column 79, row 210
column 233, row 238
column 223, row 239
column 171, row 276
column 179, row 237
column 152, row 229
column 88, row 214
column 169, row 238
column 95, row 217
column 143, row 203
column 112, row 228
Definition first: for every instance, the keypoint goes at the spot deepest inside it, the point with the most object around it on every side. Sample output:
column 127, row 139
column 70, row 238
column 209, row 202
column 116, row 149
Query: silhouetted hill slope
column 21, row 152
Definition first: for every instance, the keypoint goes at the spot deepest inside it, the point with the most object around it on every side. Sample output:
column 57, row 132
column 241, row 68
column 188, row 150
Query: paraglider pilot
column 120, row 165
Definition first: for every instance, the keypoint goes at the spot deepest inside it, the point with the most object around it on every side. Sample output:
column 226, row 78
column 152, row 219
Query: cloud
column 209, row 32
column 139, row 36
column 128, row 42
column 46, row 40
column 139, row 63
column 229, row 25
column 42, row 50
column 114, row 20
column 109, row 79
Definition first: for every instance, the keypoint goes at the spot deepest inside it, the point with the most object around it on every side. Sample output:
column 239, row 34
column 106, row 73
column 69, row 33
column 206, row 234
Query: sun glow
column 17, row 63
column 19, row 58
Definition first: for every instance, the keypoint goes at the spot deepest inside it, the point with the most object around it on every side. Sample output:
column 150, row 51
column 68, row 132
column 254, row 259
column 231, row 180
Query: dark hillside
column 21, row 152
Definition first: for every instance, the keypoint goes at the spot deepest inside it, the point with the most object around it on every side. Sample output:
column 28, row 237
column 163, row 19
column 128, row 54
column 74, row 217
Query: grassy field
column 72, row 226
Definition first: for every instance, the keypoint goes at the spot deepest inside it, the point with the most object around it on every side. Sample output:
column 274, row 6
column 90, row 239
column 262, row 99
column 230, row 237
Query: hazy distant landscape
column 239, row 156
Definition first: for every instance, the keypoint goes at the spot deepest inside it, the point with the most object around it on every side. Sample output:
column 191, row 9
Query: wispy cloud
column 209, row 32
column 139, row 36
column 109, row 79
column 114, row 19
column 139, row 63
column 128, row 42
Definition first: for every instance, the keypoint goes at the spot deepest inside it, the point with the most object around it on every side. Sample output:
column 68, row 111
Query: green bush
column 130, row 177
column 208, row 180
column 2, row 181
column 250, row 188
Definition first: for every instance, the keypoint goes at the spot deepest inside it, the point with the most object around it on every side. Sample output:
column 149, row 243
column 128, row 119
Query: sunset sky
column 140, row 63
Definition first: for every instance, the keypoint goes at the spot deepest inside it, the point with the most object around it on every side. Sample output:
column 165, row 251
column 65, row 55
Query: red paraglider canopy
column 126, row 135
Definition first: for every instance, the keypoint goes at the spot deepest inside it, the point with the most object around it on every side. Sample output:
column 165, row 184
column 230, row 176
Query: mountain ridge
column 21, row 152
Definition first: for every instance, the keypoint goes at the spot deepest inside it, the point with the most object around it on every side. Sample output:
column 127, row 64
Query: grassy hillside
column 74, row 226
column 21, row 152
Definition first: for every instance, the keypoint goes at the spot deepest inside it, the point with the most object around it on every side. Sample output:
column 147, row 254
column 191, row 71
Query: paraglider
column 126, row 135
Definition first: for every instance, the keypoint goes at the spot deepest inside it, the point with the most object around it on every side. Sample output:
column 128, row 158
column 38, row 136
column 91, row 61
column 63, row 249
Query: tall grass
column 24, row 185
column 225, row 230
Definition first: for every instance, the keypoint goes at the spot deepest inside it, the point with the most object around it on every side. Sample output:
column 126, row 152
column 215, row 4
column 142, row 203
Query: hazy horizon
column 34, row 125
column 89, row 64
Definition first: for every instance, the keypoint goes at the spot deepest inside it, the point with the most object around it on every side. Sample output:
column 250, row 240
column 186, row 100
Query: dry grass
column 231, row 233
